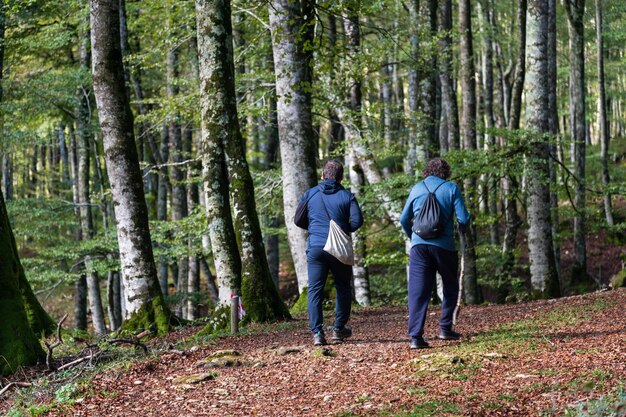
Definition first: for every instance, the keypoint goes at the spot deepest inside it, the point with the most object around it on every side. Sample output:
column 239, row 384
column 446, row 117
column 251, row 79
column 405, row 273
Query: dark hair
column 333, row 170
column 437, row 167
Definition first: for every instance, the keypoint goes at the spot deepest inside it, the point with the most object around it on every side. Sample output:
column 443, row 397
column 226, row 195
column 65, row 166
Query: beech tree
column 542, row 267
column 290, row 26
column 219, row 104
column 144, row 301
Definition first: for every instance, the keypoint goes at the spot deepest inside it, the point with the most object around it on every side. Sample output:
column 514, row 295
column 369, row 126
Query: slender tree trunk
column 218, row 100
column 114, row 307
column 297, row 145
column 512, row 220
column 603, row 127
column 448, row 95
column 84, row 192
column 360, row 271
column 271, row 158
column 554, row 130
column 143, row 299
column 468, row 128
column 575, row 15
column 542, row 267
column 489, row 117
column 428, row 83
column 414, row 149
column 7, row 176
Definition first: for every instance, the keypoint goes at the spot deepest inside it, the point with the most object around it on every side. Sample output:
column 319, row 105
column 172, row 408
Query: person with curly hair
column 435, row 254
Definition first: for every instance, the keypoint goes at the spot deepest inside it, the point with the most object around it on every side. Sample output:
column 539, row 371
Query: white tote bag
column 339, row 243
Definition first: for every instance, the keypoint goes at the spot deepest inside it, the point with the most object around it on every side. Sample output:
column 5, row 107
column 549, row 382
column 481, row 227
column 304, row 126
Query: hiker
column 328, row 200
column 434, row 250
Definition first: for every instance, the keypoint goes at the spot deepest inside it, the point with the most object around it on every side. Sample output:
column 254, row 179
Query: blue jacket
column 450, row 201
column 341, row 206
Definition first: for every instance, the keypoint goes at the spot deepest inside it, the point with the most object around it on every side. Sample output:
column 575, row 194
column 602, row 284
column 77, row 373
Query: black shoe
column 449, row 335
column 319, row 339
column 418, row 343
column 343, row 333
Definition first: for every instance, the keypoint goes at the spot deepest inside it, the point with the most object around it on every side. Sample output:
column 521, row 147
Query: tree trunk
column 360, row 271
column 271, row 158
column 84, row 193
column 114, row 305
column 7, row 176
column 215, row 175
column 144, row 301
column 468, row 127
column 448, row 95
column 554, row 129
column 18, row 342
column 542, row 267
column 510, row 183
column 297, row 145
column 259, row 294
column 602, row 118
column 575, row 15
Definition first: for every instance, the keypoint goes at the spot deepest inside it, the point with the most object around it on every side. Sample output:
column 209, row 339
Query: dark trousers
column 318, row 263
column 424, row 262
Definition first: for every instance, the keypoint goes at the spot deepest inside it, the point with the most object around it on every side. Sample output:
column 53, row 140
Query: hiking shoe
column 418, row 343
column 343, row 333
column 319, row 339
column 449, row 335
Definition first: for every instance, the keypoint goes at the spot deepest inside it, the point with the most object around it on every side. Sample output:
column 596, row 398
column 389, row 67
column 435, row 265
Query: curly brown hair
column 437, row 167
column 333, row 170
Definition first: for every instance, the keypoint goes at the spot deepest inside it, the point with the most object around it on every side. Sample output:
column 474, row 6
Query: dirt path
column 523, row 359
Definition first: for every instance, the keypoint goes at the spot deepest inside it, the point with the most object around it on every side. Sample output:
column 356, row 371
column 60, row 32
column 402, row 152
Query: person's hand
column 463, row 227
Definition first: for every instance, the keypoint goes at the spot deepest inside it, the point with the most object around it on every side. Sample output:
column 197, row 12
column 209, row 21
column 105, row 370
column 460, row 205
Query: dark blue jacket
column 341, row 206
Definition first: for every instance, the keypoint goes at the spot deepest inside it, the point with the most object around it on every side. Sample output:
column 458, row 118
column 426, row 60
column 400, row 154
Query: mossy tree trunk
column 19, row 345
column 214, row 173
column 259, row 294
column 144, row 301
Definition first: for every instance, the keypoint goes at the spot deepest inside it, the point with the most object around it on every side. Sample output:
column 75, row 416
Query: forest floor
column 535, row 358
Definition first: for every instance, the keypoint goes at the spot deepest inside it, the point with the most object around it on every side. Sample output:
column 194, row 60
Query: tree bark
column 297, row 145
column 575, row 15
column 544, row 281
column 271, row 159
column 144, row 301
column 217, row 74
column 603, row 127
column 468, row 127
column 18, row 342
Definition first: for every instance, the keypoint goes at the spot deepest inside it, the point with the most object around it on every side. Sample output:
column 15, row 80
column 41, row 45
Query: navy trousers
column 424, row 262
column 318, row 264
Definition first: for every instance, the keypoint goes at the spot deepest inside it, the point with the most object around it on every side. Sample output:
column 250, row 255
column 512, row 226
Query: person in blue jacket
column 431, row 255
column 325, row 200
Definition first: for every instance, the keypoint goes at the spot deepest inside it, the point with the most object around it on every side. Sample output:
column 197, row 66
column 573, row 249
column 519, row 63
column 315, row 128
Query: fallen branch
column 75, row 362
column 15, row 384
column 51, row 346
column 131, row 341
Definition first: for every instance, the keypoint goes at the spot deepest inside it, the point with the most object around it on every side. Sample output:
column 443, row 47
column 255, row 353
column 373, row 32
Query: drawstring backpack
column 339, row 243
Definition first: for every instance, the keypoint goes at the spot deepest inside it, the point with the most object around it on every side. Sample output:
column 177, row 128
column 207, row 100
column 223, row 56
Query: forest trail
column 519, row 359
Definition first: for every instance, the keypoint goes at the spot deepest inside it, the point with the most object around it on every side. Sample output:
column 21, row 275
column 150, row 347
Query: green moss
column 300, row 306
column 154, row 315
column 619, row 279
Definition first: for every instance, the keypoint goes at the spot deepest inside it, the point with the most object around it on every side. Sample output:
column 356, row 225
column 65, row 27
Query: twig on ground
column 15, row 384
column 131, row 341
column 51, row 346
